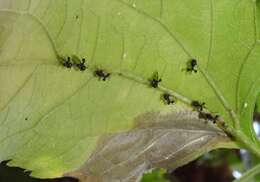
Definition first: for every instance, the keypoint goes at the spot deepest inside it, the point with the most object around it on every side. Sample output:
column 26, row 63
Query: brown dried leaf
column 167, row 141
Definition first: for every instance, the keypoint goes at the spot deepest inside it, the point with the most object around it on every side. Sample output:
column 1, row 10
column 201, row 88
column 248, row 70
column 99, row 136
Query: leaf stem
column 241, row 137
column 249, row 174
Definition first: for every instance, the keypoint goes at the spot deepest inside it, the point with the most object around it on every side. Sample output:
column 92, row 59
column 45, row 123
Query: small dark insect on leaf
column 101, row 74
column 155, row 80
column 26, row 118
column 66, row 62
column 221, row 123
column 80, row 64
column 191, row 66
column 208, row 117
column 199, row 106
column 168, row 99
column 215, row 119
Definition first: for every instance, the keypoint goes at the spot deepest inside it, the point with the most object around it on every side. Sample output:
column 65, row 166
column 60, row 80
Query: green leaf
column 54, row 119
column 258, row 105
column 155, row 176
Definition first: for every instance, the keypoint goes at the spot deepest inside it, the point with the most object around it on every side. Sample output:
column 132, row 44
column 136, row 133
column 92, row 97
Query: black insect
column 230, row 135
column 168, row 99
column 101, row 74
column 215, row 119
column 191, row 66
column 155, row 80
column 80, row 64
column 66, row 63
column 199, row 106
column 208, row 117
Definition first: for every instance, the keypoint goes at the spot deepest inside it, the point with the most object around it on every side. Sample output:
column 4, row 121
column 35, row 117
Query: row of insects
column 80, row 64
column 169, row 99
column 155, row 80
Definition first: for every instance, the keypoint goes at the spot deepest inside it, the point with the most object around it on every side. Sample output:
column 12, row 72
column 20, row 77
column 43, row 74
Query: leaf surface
column 52, row 119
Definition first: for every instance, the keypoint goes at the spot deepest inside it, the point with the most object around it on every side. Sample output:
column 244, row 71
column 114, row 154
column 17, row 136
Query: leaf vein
column 159, row 23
